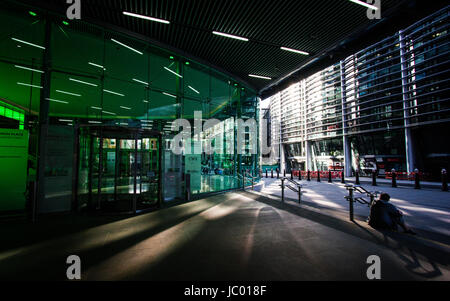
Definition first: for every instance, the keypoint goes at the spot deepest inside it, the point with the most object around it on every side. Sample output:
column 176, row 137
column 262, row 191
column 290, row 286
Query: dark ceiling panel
column 310, row 25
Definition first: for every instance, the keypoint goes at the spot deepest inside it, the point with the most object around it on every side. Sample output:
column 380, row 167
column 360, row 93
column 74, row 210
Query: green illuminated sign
column 12, row 113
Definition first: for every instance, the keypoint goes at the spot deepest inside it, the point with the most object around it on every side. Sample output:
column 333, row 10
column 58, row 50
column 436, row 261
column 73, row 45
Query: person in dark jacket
column 384, row 215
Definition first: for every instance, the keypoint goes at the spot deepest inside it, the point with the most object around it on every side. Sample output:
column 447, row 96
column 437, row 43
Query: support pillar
column 282, row 160
column 43, row 118
column 346, row 144
column 347, row 158
column 309, row 165
column 410, row 159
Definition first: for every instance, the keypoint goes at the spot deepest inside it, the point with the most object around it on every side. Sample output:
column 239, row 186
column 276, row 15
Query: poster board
column 58, row 170
column 193, row 166
column 13, row 169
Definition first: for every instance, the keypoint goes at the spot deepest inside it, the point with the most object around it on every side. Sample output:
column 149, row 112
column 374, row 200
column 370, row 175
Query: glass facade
column 310, row 116
column 426, row 66
column 373, row 88
column 324, row 104
column 58, row 79
column 373, row 110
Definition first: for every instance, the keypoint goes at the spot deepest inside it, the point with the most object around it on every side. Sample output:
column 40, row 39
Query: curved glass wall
column 99, row 77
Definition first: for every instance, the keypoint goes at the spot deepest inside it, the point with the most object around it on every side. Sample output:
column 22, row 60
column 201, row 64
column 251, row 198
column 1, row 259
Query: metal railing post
column 444, row 180
column 350, row 199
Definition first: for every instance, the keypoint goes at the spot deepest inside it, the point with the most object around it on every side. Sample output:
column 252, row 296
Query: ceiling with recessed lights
column 308, row 30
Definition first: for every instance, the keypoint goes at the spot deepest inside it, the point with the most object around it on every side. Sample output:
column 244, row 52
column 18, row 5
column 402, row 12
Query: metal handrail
column 297, row 190
column 244, row 180
column 352, row 199
column 362, row 190
column 294, row 182
column 252, row 179
column 248, row 175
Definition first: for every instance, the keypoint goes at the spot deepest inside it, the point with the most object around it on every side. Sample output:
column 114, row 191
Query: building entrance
column 119, row 169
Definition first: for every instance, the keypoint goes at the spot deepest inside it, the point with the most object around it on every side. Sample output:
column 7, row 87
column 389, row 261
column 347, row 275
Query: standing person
column 384, row 215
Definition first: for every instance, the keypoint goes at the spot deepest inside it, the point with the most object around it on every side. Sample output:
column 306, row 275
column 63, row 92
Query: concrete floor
column 233, row 236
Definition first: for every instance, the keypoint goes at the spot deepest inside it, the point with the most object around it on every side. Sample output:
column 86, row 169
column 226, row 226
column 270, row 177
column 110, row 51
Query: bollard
column 444, row 180
column 243, row 181
column 342, row 177
column 284, row 173
column 416, row 179
column 318, row 176
column 299, row 175
column 278, row 173
column 350, row 199
column 282, row 189
column 266, row 174
column 271, row 173
column 299, row 194
column 309, row 176
column 374, row 178
column 292, row 174
column 357, row 182
column 394, row 178
column 329, row 177
column 253, row 184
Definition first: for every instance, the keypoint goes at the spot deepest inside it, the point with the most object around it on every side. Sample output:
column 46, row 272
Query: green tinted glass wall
column 102, row 77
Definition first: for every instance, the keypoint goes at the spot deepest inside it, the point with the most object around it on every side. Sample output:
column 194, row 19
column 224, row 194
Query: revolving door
column 119, row 169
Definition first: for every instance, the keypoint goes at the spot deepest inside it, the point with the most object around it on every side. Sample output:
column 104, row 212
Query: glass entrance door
column 149, row 173
column 119, row 169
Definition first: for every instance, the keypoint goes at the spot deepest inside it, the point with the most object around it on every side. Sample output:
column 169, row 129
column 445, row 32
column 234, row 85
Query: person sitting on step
column 385, row 216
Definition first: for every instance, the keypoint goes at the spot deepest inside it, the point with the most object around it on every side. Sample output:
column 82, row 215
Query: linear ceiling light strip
column 128, row 47
column 230, row 36
column 146, row 17
column 364, row 4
